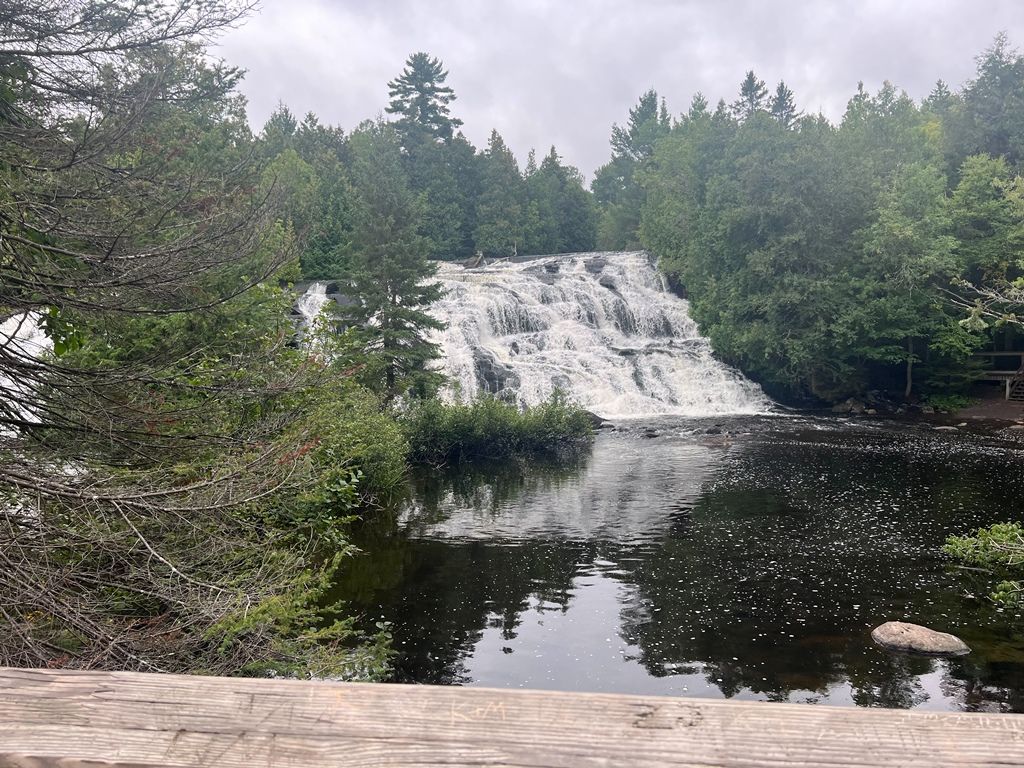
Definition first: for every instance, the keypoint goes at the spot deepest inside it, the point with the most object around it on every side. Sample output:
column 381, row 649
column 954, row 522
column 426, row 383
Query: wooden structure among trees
column 1011, row 377
column 54, row 717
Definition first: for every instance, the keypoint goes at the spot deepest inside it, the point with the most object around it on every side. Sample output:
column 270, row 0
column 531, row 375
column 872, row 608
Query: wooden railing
column 1012, row 378
column 79, row 719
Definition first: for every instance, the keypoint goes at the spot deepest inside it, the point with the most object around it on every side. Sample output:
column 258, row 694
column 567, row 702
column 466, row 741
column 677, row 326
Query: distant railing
column 60, row 718
column 1011, row 377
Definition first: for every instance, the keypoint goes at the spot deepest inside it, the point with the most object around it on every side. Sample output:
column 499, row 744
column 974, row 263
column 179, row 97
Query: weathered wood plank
column 129, row 720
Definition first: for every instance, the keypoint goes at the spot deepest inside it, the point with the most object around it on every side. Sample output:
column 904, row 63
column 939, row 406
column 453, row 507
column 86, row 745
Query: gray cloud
column 562, row 71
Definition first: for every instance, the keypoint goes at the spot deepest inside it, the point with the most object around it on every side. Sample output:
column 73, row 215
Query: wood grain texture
column 129, row 720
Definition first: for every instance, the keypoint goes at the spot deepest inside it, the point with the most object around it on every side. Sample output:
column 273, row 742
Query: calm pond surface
column 748, row 567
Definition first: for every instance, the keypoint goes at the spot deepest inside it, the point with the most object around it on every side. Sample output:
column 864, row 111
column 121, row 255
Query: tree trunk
column 910, row 369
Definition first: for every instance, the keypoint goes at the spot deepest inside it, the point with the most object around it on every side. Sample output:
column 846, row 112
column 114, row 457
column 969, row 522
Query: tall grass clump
column 489, row 428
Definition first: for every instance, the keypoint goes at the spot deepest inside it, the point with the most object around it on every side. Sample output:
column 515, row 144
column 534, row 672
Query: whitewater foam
column 602, row 327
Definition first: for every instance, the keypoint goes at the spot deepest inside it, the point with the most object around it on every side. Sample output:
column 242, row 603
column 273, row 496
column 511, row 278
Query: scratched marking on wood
column 131, row 720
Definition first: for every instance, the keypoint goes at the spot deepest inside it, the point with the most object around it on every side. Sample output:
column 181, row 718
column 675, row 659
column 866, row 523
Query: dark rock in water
column 850, row 405
column 715, row 430
column 475, row 261
column 545, row 273
column 606, row 425
column 607, row 281
column 595, row 421
column 492, row 375
column 594, row 266
column 913, row 638
column 651, row 432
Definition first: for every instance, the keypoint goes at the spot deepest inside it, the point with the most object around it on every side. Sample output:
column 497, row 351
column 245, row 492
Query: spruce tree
column 561, row 211
column 782, row 106
column 390, row 272
column 753, row 97
column 616, row 190
column 500, row 208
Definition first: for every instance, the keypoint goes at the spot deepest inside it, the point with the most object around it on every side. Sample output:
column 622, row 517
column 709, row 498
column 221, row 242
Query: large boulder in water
column 913, row 638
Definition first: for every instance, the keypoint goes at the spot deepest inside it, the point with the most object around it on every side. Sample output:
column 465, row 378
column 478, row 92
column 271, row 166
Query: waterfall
column 602, row 327
column 311, row 302
column 22, row 339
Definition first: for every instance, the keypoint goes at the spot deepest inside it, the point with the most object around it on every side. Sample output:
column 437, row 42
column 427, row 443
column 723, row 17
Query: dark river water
column 752, row 566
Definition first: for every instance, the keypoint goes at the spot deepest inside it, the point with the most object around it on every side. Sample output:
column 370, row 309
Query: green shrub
column 492, row 429
column 359, row 452
column 948, row 403
column 999, row 547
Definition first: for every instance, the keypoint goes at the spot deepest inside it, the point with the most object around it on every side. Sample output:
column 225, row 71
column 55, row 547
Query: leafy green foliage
column 821, row 259
column 189, row 469
column 616, row 189
column 490, row 428
column 303, row 626
column 561, row 216
column 949, row 403
column 999, row 547
column 468, row 202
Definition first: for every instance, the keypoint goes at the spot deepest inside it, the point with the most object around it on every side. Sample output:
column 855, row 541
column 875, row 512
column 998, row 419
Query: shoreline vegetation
column 489, row 429
column 998, row 550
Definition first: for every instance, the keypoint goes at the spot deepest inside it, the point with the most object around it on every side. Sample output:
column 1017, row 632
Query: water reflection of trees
column 792, row 532
column 443, row 596
column 795, row 535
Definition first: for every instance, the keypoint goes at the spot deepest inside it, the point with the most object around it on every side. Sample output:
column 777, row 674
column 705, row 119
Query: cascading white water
column 311, row 302
column 602, row 327
column 22, row 339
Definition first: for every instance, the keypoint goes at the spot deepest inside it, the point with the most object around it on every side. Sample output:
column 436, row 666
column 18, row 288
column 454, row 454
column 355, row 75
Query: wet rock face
column 913, row 638
column 492, row 375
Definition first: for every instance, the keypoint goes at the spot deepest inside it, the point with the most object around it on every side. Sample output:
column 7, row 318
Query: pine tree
column 647, row 123
column 753, row 97
column 421, row 98
column 439, row 163
column 531, row 164
column 615, row 188
column 390, row 272
column 698, row 107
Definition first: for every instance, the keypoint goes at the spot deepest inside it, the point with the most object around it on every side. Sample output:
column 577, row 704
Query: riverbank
column 998, row 409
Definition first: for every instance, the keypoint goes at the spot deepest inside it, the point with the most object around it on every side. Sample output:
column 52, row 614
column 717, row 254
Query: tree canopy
column 825, row 260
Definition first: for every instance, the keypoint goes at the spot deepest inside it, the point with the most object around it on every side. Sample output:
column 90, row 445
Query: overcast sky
column 562, row 71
